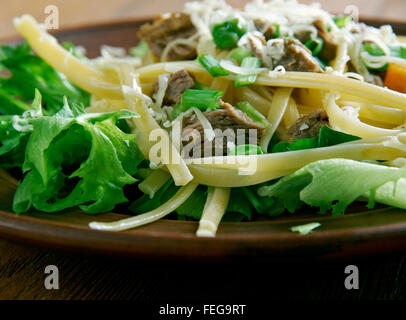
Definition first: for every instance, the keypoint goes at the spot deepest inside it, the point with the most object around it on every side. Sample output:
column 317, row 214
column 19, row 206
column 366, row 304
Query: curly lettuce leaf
column 336, row 183
column 327, row 137
column 72, row 159
column 22, row 72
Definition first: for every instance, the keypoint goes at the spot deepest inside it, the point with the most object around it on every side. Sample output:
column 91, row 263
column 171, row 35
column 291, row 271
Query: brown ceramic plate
column 360, row 232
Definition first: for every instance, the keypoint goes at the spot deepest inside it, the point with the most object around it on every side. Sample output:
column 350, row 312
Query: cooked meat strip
column 308, row 126
column 294, row 56
column 303, row 35
column 164, row 30
column 267, row 31
column 178, row 82
column 228, row 119
column 329, row 50
column 257, row 43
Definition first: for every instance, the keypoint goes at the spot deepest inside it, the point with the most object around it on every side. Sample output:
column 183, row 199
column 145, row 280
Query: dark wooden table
column 93, row 277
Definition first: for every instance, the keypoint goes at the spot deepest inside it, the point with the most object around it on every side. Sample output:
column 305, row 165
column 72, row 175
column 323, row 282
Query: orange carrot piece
column 395, row 78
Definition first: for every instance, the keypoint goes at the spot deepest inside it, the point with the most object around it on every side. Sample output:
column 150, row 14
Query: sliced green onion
column 253, row 113
column 397, row 51
column 227, row 34
column 342, row 21
column 212, row 65
column 277, row 32
column 242, row 80
column 201, row 99
column 304, row 229
column 374, row 50
column 246, row 150
column 140, row 50
column 315, row 45
column 238, row 54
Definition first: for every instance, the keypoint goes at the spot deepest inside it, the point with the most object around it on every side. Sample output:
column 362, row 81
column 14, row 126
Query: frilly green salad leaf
column 21, row 72
column 327, row 137
column 336, row 183
column 71, row 158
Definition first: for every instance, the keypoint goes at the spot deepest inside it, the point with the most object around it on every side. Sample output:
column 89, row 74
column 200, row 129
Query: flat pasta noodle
column 151, row 184
column 171, row 205
column 350, row 124
column 235, row 171
column 371, row 111
column 291, row 114
column 276, row 111
column 214, row 209
column 336, row 83
column 259, row 102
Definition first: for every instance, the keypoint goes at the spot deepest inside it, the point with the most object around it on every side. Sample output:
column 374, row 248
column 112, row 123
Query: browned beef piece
column 329, row 50
column 178, row 82
column 296, row 57
column 228, row 120
column 308, row 126
column 303, row 35
column 268, row 33
column 164, row 30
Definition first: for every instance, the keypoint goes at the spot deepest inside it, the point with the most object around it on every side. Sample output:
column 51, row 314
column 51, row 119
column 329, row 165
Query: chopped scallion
column 238, row 54
column 397, row 51
column 253, row 113
column 247, row 79
column 315, row 45
column 305, row 228
column 374, row 50
column 227, row 34
column 342, row 21
column 212, row 65
column 201, row 99
column 277, row 32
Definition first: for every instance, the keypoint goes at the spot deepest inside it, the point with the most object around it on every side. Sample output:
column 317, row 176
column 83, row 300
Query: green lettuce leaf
column 336, row 183
column 22, row 72
column 71, row 158
column 327, row 137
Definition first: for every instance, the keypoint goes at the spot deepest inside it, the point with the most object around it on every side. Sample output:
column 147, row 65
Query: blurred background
column 75, row 13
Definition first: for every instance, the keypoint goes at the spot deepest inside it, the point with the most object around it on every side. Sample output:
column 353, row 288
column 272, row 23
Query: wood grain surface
column 84, row 277
column 87, row 276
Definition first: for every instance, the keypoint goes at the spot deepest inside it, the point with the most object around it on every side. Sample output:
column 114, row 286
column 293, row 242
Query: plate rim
column 15, row 227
